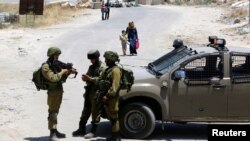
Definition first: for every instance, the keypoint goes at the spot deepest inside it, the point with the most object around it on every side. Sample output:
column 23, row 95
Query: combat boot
column 52, row 136
column 92, row 132
column 81, row 131
column 60, row 135
column 114, row 137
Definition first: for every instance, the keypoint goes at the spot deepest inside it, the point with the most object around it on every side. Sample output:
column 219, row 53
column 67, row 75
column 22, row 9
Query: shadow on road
column 104, row 129
column 45, row 138
column 172, row 131
column 180, row 131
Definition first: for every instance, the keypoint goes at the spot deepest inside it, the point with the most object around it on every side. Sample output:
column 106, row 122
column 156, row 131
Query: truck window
column 240, row 70
column 201, row 70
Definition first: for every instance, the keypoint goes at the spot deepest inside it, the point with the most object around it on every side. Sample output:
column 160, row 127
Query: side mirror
column 179, row 74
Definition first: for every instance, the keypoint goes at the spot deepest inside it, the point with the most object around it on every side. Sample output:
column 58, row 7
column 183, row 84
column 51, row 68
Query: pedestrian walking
column 103, row 10
column 124, row 40
column 132, row 38
column 107, row 10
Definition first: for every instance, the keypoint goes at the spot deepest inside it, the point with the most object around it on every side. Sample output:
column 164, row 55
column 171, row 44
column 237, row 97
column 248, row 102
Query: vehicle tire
column 137, row 121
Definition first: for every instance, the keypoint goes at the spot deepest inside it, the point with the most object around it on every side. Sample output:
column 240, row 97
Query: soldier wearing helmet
column 111, row 99
column 55, row 90
column 90, row 78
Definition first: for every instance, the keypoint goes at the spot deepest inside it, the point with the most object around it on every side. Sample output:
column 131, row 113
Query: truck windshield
column 162, row 65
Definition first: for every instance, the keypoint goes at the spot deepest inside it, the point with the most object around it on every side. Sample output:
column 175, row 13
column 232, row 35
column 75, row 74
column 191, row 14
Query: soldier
column 111, row 99
column 55, row 90
column 91, row 78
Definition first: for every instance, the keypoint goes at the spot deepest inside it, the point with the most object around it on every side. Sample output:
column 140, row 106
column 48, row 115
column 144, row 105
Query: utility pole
column 249, row 13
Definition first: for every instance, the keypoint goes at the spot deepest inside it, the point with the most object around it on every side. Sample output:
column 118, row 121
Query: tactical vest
column 106, row 82
column 94, row 71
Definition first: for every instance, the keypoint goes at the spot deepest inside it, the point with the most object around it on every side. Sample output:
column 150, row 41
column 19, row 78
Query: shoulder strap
column 51, row 66
column 108, row 70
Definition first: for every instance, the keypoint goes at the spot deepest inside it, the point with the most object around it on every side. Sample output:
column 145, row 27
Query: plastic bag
column 137, row 44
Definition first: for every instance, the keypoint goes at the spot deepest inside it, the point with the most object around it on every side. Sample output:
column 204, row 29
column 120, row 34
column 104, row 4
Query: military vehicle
column 201, row 84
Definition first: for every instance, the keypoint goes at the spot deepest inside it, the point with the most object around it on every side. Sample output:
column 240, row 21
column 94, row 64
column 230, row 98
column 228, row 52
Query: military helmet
column 53, row 50
column 93, row 54
column 177, row 43
column 112, row 56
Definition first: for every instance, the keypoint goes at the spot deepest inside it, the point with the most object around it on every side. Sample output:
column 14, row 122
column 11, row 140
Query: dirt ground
column 20, row 45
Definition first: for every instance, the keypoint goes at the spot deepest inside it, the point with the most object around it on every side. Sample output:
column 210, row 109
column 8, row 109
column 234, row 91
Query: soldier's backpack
column 39, row 80
column 127, row 79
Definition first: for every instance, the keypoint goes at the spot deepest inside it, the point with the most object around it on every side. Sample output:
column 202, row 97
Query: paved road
column 152, row 24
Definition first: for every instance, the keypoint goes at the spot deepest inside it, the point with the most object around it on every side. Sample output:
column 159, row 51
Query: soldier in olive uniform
column 55, row 90
column 91, row 78
column 111, row 98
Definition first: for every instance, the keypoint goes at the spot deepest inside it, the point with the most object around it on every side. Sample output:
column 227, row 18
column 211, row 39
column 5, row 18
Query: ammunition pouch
column 104, row 85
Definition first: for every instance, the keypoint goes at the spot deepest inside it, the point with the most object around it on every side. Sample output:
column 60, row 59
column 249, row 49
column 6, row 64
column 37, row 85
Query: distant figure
column 103, row 10
column 107, row 11
column 132, row 37
column 124, row 39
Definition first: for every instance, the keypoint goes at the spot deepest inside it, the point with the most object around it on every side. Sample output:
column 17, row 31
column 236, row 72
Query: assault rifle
column 69, row 66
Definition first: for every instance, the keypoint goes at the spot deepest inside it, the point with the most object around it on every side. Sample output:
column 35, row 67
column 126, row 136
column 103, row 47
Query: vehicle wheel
column 137, row 121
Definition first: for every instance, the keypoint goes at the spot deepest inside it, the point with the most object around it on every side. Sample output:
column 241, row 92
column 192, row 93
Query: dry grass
column 238, row 13
column 53, row 14
column 6, row 7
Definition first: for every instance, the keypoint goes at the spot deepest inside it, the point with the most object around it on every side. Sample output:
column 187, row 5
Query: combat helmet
column 177, row 43
column 93, row 54
column 112, row 56
column 53, row 50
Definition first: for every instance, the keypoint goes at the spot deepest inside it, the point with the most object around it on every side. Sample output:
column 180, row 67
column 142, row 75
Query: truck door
column 239, row 96
column 200, row 94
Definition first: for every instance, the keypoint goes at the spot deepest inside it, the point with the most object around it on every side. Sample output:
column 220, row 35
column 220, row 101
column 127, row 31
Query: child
column 124, row 39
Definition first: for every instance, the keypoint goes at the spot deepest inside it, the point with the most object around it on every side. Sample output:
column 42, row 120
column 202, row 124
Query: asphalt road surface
column 152, row 24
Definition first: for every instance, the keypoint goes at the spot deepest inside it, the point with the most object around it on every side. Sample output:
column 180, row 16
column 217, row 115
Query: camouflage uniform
column 55, row 93
column 112, row 106
column 55, row 90
column 113, row 75
column 94, row 71
column 90, row 104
